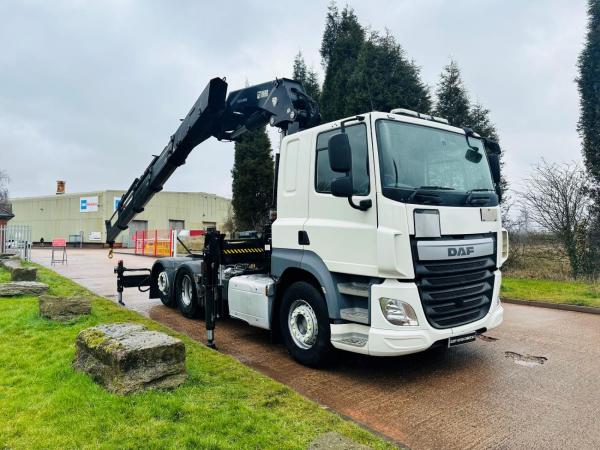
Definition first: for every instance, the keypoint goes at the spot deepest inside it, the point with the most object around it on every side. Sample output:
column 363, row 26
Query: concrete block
column 23, row 273
column 14, row 288
column 64, row 308
column 126, row 358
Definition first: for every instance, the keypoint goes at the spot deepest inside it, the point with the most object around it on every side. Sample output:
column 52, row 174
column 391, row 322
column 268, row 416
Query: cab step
column 354, row 288
column 358, row 315
column 353, row 339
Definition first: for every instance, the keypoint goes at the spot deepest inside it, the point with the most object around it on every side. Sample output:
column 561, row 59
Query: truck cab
column 396, row 225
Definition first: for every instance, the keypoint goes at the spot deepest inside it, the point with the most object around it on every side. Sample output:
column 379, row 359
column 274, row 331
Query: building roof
column 119, row 191
column 5, row 213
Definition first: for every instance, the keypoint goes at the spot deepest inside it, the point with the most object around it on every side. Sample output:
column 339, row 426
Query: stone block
column 10, row 263
column 64, row 308
column 14, row 288
column 126, row 358
column 23, row 274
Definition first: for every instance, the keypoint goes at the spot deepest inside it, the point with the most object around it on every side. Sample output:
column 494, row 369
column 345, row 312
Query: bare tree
column 557, row 200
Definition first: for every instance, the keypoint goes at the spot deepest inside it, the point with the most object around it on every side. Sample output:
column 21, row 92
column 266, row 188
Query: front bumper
column 384, row 339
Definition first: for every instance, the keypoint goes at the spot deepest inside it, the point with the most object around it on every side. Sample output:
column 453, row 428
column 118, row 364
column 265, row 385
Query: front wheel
column 188, row 301
column 305, row 324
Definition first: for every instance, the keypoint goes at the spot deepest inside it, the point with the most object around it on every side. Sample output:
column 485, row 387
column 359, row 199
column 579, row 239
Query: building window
column 176, row 224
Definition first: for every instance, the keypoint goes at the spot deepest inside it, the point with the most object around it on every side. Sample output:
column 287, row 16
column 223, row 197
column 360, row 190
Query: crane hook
column 110, row 253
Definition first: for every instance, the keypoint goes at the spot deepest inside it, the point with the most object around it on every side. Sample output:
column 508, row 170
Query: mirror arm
column 363, row 205
column 468, row 133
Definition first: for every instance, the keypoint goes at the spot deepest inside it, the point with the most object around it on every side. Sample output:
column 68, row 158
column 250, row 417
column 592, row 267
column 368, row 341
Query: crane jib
column 282, row 103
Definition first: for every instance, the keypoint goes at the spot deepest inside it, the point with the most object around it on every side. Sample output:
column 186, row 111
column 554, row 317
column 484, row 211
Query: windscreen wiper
column 481, row 199
column 431, row 198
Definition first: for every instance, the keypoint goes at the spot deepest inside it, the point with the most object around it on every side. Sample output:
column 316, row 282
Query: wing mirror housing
column 342, row 187
column 494, row 161
column 492, row 146
column 340, row 153
column 473, row 152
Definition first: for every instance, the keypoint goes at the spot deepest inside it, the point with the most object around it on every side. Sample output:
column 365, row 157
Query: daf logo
column 461, row 251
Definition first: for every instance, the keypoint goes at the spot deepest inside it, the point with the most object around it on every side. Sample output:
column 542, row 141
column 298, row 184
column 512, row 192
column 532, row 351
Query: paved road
column 535, row 383
column 92, row 269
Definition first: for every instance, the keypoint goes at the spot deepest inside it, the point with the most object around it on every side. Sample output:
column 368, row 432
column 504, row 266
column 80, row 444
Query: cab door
column 343, row 237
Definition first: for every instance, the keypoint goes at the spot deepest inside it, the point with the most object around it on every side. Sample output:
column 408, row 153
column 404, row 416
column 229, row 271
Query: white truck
column 387, row 238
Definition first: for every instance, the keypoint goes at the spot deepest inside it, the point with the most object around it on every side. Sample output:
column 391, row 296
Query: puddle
column 485, row 338
column 526, row 360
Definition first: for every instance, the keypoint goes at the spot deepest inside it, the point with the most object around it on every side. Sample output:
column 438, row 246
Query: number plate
column 463, row 339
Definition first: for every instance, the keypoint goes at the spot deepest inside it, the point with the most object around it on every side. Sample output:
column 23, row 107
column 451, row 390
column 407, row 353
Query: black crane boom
column 282, row 103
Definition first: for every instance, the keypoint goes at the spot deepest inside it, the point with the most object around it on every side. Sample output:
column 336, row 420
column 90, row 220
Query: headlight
column 398, row 312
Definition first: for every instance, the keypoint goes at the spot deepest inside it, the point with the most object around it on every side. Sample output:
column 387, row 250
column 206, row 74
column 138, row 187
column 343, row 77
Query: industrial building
column 79, row 218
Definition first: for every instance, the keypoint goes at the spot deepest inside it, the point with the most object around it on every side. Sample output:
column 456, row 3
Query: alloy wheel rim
column 302, row 324
column 163, row 282
column 186, row 290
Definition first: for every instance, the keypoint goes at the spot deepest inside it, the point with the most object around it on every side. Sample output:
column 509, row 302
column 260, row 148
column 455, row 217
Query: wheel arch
column 308, row 262
column 195, row 267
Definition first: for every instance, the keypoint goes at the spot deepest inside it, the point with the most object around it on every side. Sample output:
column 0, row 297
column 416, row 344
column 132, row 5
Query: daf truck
column 387, row 238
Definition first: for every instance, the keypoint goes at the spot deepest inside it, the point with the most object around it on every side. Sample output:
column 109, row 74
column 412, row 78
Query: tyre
column 163, row 286
column 186, row 293
column 304, row 324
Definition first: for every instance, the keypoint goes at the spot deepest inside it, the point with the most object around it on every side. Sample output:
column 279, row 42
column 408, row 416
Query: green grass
column 224, row 404
column 566, row 292
column 4, row 276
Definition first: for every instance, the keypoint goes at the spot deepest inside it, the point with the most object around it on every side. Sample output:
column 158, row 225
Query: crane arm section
column 281, row 103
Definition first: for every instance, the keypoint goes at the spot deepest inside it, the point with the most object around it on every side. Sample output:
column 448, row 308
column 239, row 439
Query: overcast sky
column 90, row 90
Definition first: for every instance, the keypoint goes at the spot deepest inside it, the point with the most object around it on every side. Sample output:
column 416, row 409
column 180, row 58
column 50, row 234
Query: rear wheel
column 163, row 285
column 188, row 301
column 305, row 324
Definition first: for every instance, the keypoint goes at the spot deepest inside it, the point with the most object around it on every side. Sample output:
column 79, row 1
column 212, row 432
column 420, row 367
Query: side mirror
column 473, row 155
column 492, row 146
column 494, row 161
column 342, row 187
column 340, row 154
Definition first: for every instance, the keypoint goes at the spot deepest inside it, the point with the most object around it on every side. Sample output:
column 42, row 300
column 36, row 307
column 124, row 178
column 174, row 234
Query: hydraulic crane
column 282, row 103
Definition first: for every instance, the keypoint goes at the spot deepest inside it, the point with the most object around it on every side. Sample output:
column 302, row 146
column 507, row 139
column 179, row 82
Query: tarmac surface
column 94, row 270
column 534, row 382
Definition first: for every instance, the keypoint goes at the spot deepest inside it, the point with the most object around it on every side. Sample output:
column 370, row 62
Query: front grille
column 455, row 292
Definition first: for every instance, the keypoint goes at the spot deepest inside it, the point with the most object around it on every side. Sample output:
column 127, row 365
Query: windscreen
column 414, row 157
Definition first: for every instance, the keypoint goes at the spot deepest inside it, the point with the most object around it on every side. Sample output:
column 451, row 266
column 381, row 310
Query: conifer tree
column 307, row 76
column 383, row 79
column 329, row 34
column 589, row 91
column 342, row 41
column 452, row 98
column 588, row 83
column 252, row 180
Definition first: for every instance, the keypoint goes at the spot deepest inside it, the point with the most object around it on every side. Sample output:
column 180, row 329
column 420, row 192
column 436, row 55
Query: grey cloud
column 89, row 90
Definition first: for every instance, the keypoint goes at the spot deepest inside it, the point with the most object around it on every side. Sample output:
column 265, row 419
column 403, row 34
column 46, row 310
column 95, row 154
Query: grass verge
column 565, row 292
column 224, row 404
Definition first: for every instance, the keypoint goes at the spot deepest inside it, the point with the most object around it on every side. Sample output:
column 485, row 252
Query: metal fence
column 16, row 239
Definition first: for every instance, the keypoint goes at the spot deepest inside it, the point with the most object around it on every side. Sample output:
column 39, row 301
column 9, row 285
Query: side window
column 357, row 135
